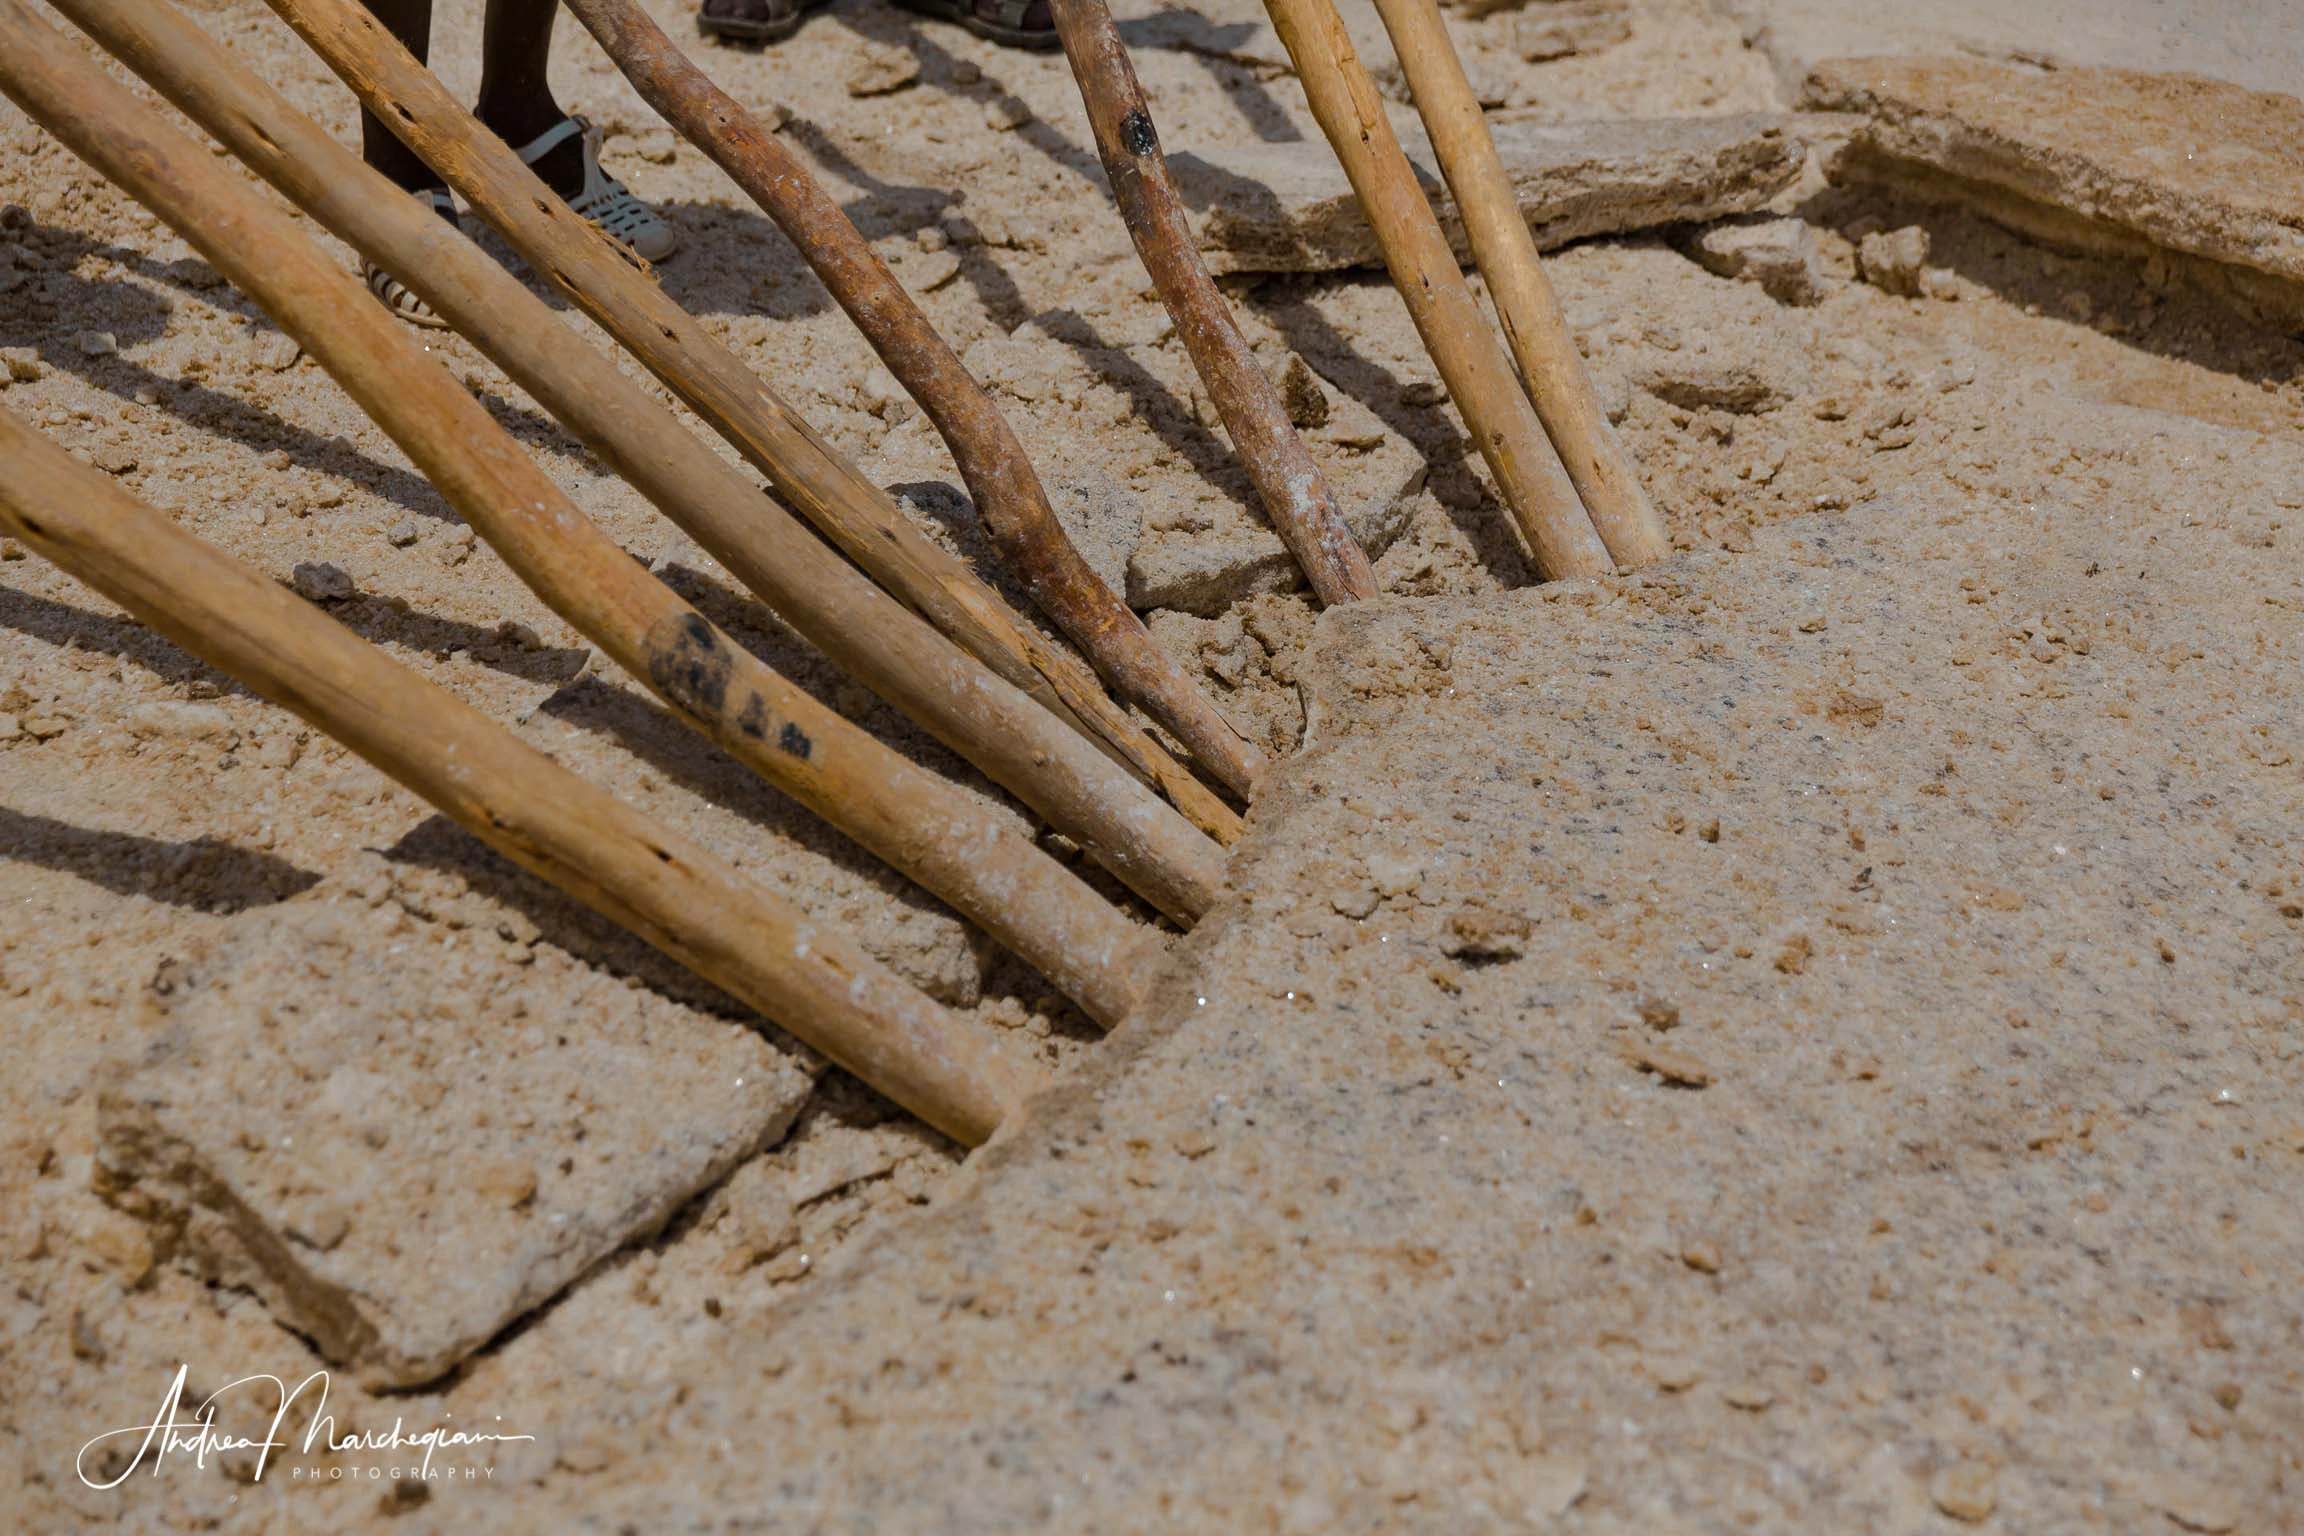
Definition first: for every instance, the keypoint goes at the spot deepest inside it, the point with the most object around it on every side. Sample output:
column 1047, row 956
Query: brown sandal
column 755, row 21
column 1028, row 24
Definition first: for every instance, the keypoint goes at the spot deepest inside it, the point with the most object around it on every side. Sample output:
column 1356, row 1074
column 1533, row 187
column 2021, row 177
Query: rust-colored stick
column 829, row 491
column 954, row 844
column 1294, row 492
column 1008, row 493
column 643, row 876
column 1479, row 376
column 1542, row 344
column 807, row 582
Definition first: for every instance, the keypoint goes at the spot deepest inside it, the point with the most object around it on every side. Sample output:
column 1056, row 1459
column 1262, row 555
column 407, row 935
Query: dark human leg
column 516, row 91
column 411, row 22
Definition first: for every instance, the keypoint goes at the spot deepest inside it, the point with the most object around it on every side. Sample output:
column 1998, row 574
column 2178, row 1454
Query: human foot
column 755, row 21
column 1028, row 24
column 567, row 157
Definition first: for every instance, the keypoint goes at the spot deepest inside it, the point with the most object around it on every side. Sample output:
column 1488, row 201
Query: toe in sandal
column 754, row 21
column 1027, row 24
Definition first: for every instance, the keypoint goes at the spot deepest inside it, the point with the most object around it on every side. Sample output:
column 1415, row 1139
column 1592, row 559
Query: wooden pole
column 817, row 591
column 999, row 474
column 954, row 844
column 712, row 381
column 1550, row 366
column 643, row 876
column 1294, row 492
column 1478, row 375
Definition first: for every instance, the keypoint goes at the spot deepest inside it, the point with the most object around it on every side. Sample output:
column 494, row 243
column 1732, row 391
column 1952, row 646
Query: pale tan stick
column 816, row 590
column 1294, row 492
column 829, row 491
column 1542, row 344
column 957, row 846
column 1478, row 375
column 1008, row 493
column 643, row 876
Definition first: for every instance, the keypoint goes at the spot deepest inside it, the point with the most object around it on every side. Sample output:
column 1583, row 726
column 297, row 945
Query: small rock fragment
column 402, row 534
column 1564, row 27
column 87, row 1344
column 1701, row 1256
column 2190, row 1503
column 1699, row 382
column 176, row 720
column 1301, row 394
column 96, row 343
column 1965, row 1490
column 507, row 1182
column 1750, row 1396
column 1674, row 1066
column 1540, row 1489
column 883, row 70
column 318, row 581
column 276, row 351
column 1005, row 114
column 1481, row 933
column 1892, row 260
column 1673, row 1372
column 113, row 458
column 1354, row 901
column 933, row 270
column 1778, row 254
column 23, row 365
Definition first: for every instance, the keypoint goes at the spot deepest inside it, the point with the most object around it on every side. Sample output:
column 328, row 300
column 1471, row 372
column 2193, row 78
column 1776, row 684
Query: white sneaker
column 604, row 200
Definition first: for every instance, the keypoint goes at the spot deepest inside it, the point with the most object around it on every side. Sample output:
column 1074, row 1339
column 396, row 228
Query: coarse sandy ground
column 1803, row 1037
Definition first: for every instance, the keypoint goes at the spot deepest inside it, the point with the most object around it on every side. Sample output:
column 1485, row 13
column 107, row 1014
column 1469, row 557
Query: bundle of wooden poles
column 874, row 594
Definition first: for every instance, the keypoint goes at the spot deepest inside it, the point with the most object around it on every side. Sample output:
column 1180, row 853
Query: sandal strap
column 551, row 139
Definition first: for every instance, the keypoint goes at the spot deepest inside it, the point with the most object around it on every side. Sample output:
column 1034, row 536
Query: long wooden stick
column 828, row 490
column 955, row 845
column 1550, row 366
column 1477, row 373
column 676, row 894
column 816, row 590
column 1294, row 491
column 999, row 474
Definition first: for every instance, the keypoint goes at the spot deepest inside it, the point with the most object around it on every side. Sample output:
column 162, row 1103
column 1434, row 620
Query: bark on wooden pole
column 829, row 491
column 1294, row 491
column 811, row 586
column 1541, row 342
column 1478, row 375
column 639, row 874
column 1000, row 477
column 952, row 843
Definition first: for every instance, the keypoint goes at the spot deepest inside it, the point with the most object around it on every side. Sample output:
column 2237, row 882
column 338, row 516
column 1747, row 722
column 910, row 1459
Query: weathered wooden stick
column 953, row 844
column 1550, row 366
column 1478, row 374
column 810, row 584
column 676, row 894
column 1294, row 491
column 828, row 490
column 999, row 474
